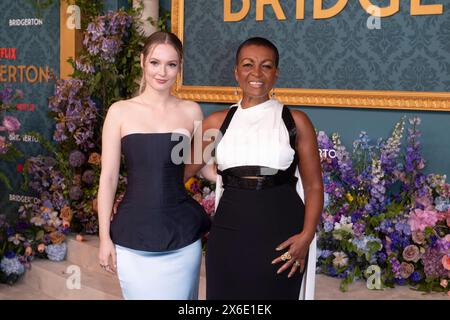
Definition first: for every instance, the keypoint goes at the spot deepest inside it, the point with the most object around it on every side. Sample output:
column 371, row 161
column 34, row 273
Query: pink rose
column 11, row 123
column 418, row 237
column 406, row 269
column 446, row 262
column 41, row 247
column 411, row 253
column 208, row 204
column 444, row 283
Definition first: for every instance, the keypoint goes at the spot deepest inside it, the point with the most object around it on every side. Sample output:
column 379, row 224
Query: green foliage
column 162, row 23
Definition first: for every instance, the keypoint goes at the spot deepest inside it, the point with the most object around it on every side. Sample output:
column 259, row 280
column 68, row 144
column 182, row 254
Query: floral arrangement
column 202, row 191
column 9, row 125
column 66, row 180
column 11, row 265
column 382, row 211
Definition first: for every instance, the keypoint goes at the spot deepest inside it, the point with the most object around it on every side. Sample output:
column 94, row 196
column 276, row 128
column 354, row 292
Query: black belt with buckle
column 256, row 183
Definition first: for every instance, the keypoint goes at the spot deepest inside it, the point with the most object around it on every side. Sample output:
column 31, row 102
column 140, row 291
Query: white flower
column 16, row 239
column 344, row 224
column 38, row 220
column 206, row 190
column 340, row 260
column 54, row 220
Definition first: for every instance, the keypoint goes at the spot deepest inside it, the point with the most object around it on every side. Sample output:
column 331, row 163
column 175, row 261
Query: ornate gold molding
column 407, row 100
column 70, row 41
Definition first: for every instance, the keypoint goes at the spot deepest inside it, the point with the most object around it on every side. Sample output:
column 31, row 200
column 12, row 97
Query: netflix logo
column 8, row 53
column 26, row 107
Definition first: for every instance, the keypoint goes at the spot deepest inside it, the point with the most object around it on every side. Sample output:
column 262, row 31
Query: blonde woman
column 153, row 241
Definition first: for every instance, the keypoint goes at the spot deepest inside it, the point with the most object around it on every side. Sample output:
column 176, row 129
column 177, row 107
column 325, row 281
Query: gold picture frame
column 407, row 100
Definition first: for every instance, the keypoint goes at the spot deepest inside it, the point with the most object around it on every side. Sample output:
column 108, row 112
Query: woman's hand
column 116, row 205
column 294, row 254
column 107, row 251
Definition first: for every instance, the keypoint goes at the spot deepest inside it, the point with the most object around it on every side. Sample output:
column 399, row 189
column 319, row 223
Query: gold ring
column 297, row 264
column 286, row 256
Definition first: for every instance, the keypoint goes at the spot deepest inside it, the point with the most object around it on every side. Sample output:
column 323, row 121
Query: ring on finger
column 286, row 256
column 296, row 263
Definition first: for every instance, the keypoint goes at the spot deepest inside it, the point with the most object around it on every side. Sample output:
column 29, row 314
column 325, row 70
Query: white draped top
column 256, row 136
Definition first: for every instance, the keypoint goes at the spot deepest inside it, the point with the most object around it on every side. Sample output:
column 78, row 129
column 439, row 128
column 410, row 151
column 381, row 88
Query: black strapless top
column 156, row 213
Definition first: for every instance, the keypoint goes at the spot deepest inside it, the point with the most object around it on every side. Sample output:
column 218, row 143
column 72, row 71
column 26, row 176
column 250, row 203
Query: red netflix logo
column 26, row 107
column 8, row 53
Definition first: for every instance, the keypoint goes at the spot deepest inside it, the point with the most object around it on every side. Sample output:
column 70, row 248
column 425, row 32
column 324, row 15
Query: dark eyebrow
column 170, row 61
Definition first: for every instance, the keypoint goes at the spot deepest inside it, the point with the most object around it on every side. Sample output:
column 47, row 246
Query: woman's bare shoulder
column 216, row 118
column 301, row 120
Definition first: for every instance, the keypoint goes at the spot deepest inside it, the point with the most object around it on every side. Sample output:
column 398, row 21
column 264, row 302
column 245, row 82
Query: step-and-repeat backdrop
column 29, row 57
column 396, row 47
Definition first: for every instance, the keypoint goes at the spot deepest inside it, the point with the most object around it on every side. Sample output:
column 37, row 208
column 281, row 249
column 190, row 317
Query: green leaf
column 5, row 180
column 40, row 235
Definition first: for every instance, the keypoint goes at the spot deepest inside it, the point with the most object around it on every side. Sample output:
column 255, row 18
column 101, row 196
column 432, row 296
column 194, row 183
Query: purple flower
column 9, row 231
column 395, row 267
column 76, row 158
column 331, row 271
column 432, row 263
column 10, row 254
column 416, row 277
column 403, row 227
column 381, row 257
column 328, row 226
column 86, row 68
column 75, row 193
column 104, row 35
column 88, row 176
column 358, row 229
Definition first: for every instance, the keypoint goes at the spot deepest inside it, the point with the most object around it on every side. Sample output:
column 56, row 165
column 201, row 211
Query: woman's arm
column 209, row 172
column 310, row 172
column 110, row 169
column 296, row 247
column 202, row 145
column 109, row 177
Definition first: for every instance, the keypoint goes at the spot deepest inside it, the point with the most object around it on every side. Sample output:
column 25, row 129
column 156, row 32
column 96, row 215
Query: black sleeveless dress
column 156, row 214
column 253, row 217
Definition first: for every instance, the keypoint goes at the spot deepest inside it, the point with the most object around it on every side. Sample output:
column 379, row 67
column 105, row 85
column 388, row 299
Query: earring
column 273, row 95
column 236, row 93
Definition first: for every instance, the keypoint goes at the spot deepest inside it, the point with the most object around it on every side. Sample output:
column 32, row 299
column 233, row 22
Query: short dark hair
column 258, row 41
column 163, row 37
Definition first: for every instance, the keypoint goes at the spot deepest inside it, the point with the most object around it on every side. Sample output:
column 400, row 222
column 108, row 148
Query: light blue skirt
column 168, row 275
